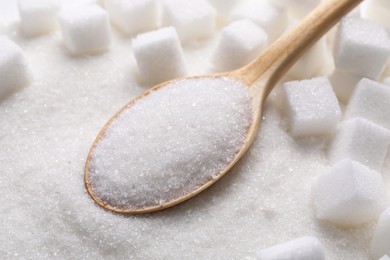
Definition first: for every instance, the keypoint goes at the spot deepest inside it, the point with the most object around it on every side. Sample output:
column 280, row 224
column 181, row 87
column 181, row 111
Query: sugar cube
column 349, row 194
column 159, row 55
column 344, row 84
column 312, row 106
column 272, row 19
column 240, row 42
column 362, row 141
column 303, row 248
column 380, row 244
column 362, row 47
column 134, row 16
column 223, row 7
column 385, row 257
column 192, row 19
column 13, row 68
column 371, row 100
column 311, row 63
column 38, row 16
column 85, row 29
column 376, row 10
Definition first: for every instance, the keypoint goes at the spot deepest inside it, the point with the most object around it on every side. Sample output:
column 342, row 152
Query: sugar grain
column 170, row 142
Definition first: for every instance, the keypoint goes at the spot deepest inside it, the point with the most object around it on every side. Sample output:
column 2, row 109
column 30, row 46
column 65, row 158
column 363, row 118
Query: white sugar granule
column 47, row 128
column 170, row 142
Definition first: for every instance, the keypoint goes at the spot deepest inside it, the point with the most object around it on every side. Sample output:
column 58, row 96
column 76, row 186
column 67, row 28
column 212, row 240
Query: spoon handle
column 281, row 55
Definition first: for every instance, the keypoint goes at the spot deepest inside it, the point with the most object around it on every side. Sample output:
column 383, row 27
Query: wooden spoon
column 260, row 77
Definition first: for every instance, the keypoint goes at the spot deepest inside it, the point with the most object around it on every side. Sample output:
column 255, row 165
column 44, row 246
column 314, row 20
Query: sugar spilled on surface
column 170, row 142
column 47, row 129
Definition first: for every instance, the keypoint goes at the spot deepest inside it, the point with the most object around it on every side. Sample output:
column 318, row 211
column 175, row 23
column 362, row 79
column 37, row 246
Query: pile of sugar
column 170, row 142
column 47, row 129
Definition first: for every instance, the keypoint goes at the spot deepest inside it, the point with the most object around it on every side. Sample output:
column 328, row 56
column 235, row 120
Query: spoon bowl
column 259, row 77
column 249, row 138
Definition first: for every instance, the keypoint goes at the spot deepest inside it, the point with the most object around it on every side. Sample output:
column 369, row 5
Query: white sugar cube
column 370, row 100
column 380, row 244
column 13, row 69
column 38, row 16
column 376, row 10
column 240, row 42
column 344, row 84
column 362, row 47
column 304, row 248
column 159, row 55
column 272, row 19
column 85, row 29
column 312, row 106
column 362, row 141
column 385, row 257
column 134, row 16
column 349, row 194
column 193, row 19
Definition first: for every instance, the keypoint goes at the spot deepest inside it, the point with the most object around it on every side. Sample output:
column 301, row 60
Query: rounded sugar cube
column 361, row 140
column 193, row 19
column 85, row 29
column 273, row 19
column 159, row 55
column 38, row 16
column 371, row 100
column 312, row 106
column 240, row 42
column 134, row 16
column 349, row 194
column 362, row 47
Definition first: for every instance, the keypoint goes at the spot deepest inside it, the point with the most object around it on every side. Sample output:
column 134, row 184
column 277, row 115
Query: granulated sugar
column 46, row 131
column 170, row 142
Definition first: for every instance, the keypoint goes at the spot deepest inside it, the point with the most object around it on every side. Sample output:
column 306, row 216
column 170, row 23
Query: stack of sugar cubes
column 352, row 192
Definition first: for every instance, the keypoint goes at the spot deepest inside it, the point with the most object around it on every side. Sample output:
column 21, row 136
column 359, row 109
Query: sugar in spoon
column 258, row 78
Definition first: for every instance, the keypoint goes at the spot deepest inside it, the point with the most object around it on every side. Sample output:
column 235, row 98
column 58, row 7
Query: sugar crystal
column 170, row 142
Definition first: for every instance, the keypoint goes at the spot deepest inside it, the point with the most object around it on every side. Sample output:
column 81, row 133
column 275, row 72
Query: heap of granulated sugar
column 47, row 128
column 170, row 142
